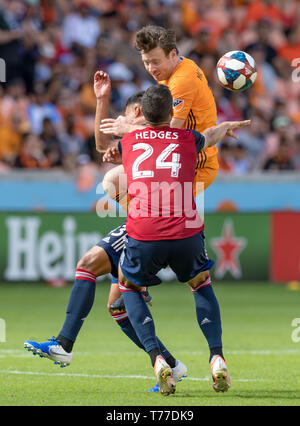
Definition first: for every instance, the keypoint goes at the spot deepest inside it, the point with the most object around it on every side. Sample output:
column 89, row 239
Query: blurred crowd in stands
column 52, row 49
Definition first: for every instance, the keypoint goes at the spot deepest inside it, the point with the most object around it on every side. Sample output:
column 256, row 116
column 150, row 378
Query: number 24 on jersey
column 160, row 163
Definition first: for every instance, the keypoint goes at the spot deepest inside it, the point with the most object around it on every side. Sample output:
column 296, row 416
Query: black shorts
column 142, row 260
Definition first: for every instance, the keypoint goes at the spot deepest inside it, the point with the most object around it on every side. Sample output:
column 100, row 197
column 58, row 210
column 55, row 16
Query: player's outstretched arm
column 102, row 90
column 119, row 126
column 214, row 134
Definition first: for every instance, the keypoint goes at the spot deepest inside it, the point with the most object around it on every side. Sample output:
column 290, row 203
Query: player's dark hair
column 152, row 36
column 135, row 99
column 157, row 104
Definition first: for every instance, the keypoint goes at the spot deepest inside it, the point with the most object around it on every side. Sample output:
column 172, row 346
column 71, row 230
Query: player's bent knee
column 86, row 262
column 125, row 283
column 199, row 279
column 95, row 261
column 110, row 183
column 108, row 186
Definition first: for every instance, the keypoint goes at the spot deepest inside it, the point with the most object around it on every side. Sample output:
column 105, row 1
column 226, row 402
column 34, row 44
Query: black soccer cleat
column 119, row 305
column 147, row 297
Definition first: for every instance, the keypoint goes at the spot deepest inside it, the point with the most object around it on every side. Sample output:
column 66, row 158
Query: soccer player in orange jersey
column 194, row 106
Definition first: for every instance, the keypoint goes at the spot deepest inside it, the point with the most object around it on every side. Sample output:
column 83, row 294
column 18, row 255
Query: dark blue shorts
column 142, row 260
column 113, row 244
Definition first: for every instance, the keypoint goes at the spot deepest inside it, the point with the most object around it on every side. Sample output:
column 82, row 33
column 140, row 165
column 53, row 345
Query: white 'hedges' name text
column 152, row 134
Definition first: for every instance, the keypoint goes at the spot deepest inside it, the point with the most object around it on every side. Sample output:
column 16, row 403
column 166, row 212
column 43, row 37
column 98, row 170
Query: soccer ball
column 236, row 70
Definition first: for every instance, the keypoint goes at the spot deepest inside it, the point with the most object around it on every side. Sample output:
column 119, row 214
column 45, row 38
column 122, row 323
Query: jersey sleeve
column 199, row 140
column 183, row 93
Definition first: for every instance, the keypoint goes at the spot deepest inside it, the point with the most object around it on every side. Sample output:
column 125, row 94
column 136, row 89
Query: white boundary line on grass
column 20, row 353
column 106, row 376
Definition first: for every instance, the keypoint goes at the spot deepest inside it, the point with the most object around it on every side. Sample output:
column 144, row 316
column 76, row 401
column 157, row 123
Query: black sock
column 65, row 343
column 171, row 361
column 153, row 354
column 216, row 351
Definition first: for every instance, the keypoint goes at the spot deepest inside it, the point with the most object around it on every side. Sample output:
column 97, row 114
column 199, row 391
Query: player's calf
column 94, row 263
column 209, row 320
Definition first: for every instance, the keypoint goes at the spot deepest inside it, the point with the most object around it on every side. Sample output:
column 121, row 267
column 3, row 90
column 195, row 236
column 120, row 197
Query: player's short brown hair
column 157, row 104
column 152, row 36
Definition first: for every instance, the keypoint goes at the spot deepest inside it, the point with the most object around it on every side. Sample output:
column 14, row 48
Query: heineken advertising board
column 46, row 246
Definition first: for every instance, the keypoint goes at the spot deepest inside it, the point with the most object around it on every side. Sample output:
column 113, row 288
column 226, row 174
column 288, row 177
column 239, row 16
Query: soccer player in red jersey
column 101, row 259
column 164, row 227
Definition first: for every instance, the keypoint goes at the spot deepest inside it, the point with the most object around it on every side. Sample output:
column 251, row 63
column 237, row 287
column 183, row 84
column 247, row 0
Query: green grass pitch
column 260, row 345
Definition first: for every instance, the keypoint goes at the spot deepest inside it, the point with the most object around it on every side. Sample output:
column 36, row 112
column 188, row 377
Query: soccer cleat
column 146, row 296
column 164, row 376
column 50, row 349
column 154, row 388
column 220, row 376
column 119, row 305
column 179, row 373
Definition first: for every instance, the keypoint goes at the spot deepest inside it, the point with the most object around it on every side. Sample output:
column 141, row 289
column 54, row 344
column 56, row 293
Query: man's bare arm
column 102, row 89
column 214, row 134
column 177, row 123
column 119, row 126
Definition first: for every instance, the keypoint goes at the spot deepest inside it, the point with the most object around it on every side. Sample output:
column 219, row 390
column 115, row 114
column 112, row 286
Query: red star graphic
column 227, row 249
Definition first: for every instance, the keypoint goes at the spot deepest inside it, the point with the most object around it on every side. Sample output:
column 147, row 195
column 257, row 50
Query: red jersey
column 160, row 167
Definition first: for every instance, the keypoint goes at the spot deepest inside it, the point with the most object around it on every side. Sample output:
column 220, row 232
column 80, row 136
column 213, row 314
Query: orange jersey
column 194, row 102
column 193, row 98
